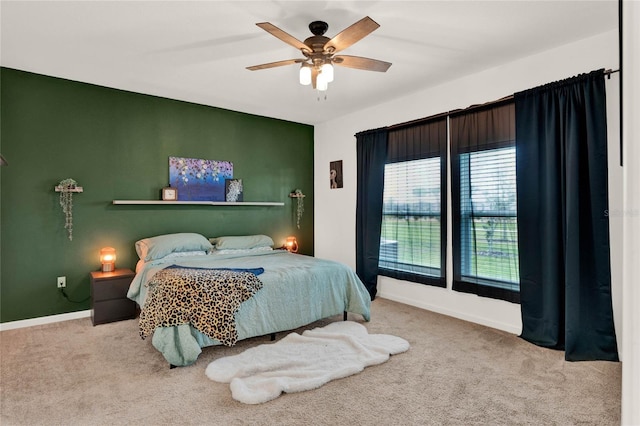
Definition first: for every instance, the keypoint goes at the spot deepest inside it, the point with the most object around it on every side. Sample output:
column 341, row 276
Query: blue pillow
column 242, row 242
column 158, row 247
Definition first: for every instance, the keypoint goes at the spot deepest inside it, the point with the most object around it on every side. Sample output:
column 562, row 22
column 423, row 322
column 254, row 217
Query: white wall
column 334, row 140
column 631, row 216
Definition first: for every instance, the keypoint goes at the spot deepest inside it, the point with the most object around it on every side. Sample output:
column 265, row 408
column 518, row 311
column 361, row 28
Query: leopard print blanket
column 208, row 299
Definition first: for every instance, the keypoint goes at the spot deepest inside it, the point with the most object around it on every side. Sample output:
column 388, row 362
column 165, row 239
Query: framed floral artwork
column 198, row 179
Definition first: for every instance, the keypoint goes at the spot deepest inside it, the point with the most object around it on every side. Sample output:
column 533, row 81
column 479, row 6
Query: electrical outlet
column 62, row 282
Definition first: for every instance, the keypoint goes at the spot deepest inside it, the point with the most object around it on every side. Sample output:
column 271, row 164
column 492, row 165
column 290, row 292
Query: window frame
column 442, row 154
column 467, row 238
column 466, row 138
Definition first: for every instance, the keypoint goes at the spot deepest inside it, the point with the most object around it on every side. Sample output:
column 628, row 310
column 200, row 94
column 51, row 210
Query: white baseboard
column 44, row 320
column 509, row 328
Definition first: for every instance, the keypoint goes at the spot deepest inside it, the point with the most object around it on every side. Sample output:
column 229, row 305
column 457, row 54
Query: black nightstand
column 109, row 301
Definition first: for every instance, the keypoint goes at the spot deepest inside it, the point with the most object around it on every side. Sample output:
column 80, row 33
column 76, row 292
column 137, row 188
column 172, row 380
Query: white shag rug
column 302, row 362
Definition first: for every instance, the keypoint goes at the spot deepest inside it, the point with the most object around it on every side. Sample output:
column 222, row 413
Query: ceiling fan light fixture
column 305, row 75
column 318, row 51
column 327, row 71
column 321, row 82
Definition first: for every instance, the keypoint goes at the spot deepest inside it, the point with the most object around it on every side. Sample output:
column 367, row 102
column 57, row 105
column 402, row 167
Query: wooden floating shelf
column 197, row 203
column 59, row 188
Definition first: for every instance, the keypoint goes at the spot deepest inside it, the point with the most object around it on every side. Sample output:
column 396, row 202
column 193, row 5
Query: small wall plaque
column 233, row 190
column 169, row 194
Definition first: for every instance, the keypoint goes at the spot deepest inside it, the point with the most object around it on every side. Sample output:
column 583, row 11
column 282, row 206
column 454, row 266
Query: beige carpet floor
column 456, row 373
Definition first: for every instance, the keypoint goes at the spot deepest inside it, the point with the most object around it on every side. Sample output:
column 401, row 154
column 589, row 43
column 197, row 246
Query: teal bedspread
column 297, row 291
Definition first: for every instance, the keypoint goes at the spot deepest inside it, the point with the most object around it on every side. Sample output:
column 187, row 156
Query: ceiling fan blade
column 287, row 38
column 352, row 34
column 314, row 76
column 361, row 63
column 275, row 64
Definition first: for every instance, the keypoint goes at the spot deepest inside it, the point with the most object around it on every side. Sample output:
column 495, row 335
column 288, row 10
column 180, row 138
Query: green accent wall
column 116, row 145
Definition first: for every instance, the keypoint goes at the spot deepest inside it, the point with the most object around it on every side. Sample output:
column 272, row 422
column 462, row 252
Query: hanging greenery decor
column 297, row 194
column 67, row 188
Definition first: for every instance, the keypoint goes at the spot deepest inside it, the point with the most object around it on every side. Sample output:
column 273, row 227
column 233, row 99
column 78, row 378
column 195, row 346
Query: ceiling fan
column 320, row 52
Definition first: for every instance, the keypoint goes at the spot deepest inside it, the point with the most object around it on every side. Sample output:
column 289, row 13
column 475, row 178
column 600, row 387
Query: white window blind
column 411, row 223
column 488, row 213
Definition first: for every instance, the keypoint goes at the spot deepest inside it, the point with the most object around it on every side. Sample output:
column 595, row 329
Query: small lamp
column 108, row 259
column 291, row 244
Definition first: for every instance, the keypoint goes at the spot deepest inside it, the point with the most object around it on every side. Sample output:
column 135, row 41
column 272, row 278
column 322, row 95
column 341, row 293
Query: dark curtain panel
column 483, row 201
column 421, row 225
column 563, row 230
column 483, row 127
column 371, row 157
column 415, row 142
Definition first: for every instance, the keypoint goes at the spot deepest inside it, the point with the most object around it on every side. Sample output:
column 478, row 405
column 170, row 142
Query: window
column 410, row 240
column 483, row 175
column 413, row 231
column 489, row 234
column 401, row 215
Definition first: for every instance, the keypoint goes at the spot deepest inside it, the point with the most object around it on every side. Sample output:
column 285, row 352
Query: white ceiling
column 197, row 51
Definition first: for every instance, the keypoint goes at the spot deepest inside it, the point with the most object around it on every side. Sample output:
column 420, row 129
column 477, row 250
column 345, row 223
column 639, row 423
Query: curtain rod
column 610, row 71
column 620, row 81
column 471, row 107
column 417, row 121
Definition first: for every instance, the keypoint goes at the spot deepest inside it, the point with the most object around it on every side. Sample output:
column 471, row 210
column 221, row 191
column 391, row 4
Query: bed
column 294, row 290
